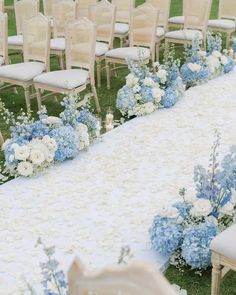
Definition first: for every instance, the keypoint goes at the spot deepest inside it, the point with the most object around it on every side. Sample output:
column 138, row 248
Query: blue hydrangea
column 39, row 129
column 165, row 235
column 125, row 99
column 194, row 77
column 85, row 117
column 196, row 244
column 214, row 43
column 170, row 98
column 67, row 141
column 229, row 66
column 234, row 45
column 183, row 208
column 146, row 93
column 9, row 151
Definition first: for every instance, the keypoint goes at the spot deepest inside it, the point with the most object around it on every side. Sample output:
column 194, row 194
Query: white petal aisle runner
column 107, row 197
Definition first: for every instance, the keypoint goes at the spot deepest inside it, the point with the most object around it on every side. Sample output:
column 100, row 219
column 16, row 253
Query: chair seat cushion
column 121, row 28
column 101, row 48
column 129, row 52
column 176, row 20
column 160, row 32
column 221, row 23
column 15, row 40
column 23, row 71
column 184, row 35
column 66, row 79
column 225, row 242
column 58, row 44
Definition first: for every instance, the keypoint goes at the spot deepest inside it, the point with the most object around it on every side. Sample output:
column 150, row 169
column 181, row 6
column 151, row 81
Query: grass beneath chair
column 195, row 285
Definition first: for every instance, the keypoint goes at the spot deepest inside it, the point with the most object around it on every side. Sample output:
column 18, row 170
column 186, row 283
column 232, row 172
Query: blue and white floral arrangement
column 184, row 230
column 36, row 144
column 145, row 91
column 201, row 66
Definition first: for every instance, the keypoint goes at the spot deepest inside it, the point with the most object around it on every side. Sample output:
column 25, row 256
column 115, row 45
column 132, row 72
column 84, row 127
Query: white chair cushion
column 58, row 44
column 184, row 35
column 66, row 79
column 101, row 48
column 225, row 242
column 121, row 28
column 129, row 52
column 176, row 20
column 160, row 32
column 221, row 23
column 25, row 71
column 15, row 40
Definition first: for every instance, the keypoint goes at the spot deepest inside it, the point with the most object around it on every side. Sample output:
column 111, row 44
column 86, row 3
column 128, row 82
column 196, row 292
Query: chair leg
column 228, row 40
column 96, row 98
column 108, row 73
column 216, row 277
column 166, row 47
column 61, row 61
column 27, row 98
column 39, row 100
column 121, row 42
column 157, row 51
column 99, row 73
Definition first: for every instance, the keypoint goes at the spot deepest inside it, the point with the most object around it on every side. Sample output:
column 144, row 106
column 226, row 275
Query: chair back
column 24, row 9
column 1, row 5
column 144, row 20
column 63, row 11
column 36, row 35
column 3, row 37
column 227, row 9
column 83, row 7
column 196, row 14
column 80, row 45
column 132, row 279
column 103, row 14
column 164, row 11
column 123, row 10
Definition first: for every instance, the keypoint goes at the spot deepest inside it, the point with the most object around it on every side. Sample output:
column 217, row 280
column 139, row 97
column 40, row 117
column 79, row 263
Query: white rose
column 194, row 67
column 37, row 156
column 216, row 54
column 148, row 82
column 157, row 93
column 25, row 168
column 51, row 120
column 131, row 80
column 227, row 209
column 201, row 207
column 22, row 152
column 224, row 60
column 50, row 143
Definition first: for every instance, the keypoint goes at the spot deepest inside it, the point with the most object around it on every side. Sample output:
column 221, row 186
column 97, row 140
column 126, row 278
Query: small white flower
column 131, row 80
column 52, row 120
column 223, row 60
column 138, row 97
column 194, row 67
column 25, row 168
column 22, row 152
column 201, row 207
column 157, row 93
column 136, row 88
column 37, row 156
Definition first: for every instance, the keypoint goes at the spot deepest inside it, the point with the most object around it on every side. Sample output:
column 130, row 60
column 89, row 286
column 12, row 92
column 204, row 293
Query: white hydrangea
column 25, row 168
column 162, row 75
column 22, row 152
column 148, row 82
column 157, row 93
column 201, row 207
column 131, row 80
column 217, row 54
column 213, row 63
column 82, row 130
column 194, row 67
column 52, row 121
column 136, row 88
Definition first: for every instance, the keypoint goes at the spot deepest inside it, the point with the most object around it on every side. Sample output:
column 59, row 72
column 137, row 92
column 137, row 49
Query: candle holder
column 109, row 120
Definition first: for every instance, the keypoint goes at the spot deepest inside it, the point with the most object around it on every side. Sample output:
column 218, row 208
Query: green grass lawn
column 194, row 284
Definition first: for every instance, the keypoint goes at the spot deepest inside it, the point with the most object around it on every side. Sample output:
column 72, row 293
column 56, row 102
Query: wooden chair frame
column 83, row 7
column 147, row 8
column 70, row 28
column 187, row 25
column 177, row 25
column 164, row 12
column 123, row 15
column 138, row 278
column 226, row 11
column 2, row 6
column 221, row 266
column 27, row 56
column 94, row 13
column 61, row 34
column 1, row 139
column 4, row 28
column 32, row 9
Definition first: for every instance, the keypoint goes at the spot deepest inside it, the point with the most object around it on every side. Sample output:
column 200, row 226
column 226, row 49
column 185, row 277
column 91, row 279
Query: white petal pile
column 107, row 197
